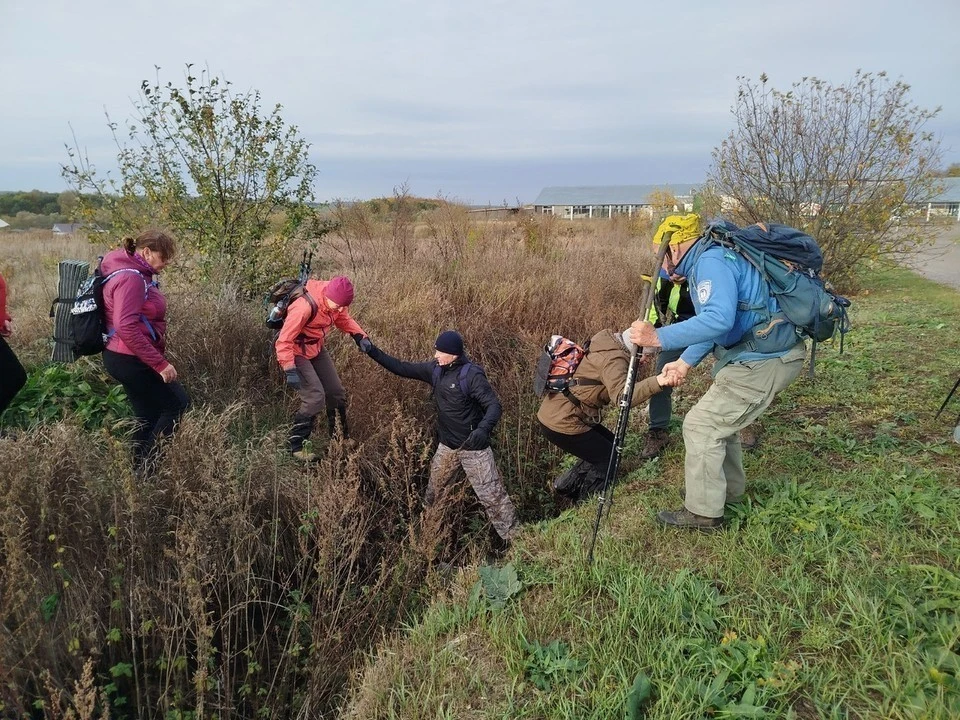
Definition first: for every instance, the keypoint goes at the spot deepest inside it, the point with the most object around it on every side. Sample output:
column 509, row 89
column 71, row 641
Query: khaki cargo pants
column 481, row 470
column 713, row 467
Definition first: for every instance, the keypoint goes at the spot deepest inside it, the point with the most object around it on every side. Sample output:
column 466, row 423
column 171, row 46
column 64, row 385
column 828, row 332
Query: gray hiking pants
column 481, row 470
column 713, row 466
column 320, row 385
column 661, row 404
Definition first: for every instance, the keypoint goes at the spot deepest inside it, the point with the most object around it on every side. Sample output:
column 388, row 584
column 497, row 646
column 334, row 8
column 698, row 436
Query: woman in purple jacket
column 136, row 321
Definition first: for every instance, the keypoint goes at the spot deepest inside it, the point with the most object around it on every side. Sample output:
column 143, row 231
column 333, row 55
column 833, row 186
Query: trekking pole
column 947, row 399
column 626, row 399
column 305, row 263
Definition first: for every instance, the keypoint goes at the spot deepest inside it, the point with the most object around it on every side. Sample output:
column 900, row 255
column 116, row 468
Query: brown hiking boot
column 656, row 440
column 683, row 518
column 749, row 437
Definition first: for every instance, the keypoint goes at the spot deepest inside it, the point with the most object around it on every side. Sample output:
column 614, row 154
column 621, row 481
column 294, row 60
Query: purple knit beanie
column 339, row 290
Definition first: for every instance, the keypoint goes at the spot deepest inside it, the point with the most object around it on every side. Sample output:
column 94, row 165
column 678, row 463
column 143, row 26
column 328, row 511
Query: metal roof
column 951, row 191
column 608, row 194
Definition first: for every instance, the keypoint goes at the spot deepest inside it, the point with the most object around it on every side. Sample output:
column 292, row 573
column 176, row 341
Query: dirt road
column 941, row 263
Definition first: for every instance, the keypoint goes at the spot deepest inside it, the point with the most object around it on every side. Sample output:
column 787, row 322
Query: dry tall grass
column 236, row 583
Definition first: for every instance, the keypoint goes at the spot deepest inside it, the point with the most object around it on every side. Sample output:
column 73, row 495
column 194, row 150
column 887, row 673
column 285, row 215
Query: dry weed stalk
column 232, row 581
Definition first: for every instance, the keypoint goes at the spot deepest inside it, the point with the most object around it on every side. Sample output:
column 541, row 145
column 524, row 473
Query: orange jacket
column 300, row 337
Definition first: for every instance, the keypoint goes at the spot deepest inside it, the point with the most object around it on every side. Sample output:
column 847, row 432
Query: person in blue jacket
column 729, row 295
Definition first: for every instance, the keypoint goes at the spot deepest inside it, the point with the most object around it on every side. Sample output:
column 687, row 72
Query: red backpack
column 557, row 364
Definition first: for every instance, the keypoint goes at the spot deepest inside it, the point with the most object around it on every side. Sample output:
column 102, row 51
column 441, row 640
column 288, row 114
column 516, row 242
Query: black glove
column 477, row 440
column 293, row 378
column 363, row 343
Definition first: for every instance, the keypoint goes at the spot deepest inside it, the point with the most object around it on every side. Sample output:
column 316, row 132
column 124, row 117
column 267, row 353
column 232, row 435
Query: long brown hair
column 157, row 240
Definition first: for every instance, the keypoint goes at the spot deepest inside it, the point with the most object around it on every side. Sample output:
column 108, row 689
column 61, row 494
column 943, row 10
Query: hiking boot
column 656, row 440
column 568, row 483
column 683, row 518
column 749, row 437
column 305, row 456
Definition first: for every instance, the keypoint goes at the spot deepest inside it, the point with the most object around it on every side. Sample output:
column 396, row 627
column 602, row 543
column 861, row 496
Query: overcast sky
column 478, row 101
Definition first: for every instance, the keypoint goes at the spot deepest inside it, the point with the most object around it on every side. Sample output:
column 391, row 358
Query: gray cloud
column 457, row 96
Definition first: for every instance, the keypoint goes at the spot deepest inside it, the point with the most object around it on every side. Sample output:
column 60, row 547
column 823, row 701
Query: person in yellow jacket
column 672, row 304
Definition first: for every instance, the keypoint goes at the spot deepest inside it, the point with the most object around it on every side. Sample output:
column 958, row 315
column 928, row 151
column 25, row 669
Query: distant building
column 606, row 201
column 947, row 202
column 66, row 228
column 71, row 228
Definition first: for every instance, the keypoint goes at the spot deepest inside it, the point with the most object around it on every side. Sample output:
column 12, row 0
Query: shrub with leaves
column 230, row 179
column 496, row 586
column 837, row 161
column 57, row 391
column 550, row 665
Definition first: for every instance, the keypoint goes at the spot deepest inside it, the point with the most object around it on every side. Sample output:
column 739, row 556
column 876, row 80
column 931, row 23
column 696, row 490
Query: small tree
column 230, row 179
column 835, row 161
column 662, row 203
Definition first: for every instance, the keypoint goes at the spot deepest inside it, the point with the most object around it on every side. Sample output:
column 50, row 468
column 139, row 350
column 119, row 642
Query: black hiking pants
column 12, row 375
column 594, row 446
column 156, row 405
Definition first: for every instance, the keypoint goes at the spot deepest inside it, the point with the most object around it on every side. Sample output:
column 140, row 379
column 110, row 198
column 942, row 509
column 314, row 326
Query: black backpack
column 285, row 291
column 88, row 334
column 280, row 296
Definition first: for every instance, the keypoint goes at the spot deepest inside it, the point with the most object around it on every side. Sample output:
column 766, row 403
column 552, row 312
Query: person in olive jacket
column 572, row 421
column 467, row 412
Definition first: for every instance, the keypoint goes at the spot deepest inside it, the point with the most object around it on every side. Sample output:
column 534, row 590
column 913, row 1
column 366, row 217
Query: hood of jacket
column 120, row 259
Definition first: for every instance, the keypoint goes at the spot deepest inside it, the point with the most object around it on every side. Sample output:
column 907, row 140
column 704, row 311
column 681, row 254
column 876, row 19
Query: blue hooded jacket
column 724, row 288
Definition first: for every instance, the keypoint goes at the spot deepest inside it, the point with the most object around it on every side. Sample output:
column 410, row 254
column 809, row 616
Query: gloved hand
column 477, row 440
column 363, row 343
column 293, row 378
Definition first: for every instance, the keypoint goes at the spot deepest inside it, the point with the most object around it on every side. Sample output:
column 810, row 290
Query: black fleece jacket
column 457, row 414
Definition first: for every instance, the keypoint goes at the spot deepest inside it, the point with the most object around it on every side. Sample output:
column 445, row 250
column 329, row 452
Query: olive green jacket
column 607, row 362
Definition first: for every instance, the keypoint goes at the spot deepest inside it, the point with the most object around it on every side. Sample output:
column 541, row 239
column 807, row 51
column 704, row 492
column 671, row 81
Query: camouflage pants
column 481, row 470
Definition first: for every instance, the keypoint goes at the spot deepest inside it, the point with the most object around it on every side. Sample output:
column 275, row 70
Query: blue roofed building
column 605, row 201
column 947, row 201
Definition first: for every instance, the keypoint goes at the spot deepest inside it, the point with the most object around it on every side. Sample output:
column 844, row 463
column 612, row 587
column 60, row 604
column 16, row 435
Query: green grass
column 834, row 592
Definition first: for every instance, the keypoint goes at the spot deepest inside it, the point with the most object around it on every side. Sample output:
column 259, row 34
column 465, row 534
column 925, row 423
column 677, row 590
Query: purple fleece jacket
column 129, row 297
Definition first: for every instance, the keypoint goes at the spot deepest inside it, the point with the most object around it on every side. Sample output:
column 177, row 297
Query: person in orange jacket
column 12, row 375
column 307, row 364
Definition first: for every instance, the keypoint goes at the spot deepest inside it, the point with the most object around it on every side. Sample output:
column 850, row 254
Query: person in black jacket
column 467, row 411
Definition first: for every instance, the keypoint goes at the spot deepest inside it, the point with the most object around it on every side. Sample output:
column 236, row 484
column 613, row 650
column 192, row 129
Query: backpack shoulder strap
column 463, row 377
column 313, row 306
column 146, row 285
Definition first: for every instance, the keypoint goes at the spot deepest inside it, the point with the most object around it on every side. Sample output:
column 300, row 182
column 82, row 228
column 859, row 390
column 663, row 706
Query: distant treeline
column 37, row 202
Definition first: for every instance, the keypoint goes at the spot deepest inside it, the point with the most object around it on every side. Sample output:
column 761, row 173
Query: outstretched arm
column 422, row 371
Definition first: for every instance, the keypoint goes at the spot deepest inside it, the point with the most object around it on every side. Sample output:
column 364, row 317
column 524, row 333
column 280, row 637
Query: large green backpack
column 790, row 262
